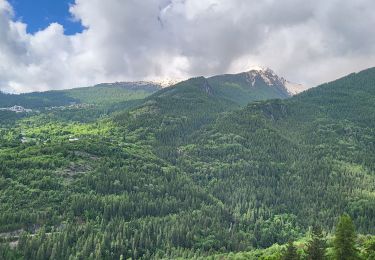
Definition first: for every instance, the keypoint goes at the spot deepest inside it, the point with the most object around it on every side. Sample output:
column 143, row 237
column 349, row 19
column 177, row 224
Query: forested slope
column 188, row 172
column 100, row 95
column 308, row 159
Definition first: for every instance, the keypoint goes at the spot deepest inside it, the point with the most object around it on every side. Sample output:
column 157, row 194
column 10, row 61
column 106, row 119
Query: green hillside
column 189, row 172
column 109, row 94
column 173, row 114
column 36, row 99
column 102, row 94
column 308, row 158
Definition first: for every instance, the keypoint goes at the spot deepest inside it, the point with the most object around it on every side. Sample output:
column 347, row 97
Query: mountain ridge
column 190, row 171
column 262, row 83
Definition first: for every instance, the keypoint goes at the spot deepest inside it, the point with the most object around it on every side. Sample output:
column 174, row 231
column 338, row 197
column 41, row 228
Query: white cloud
column 308, row 42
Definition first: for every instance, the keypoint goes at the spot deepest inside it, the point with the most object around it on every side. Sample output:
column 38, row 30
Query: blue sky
column 38, row 14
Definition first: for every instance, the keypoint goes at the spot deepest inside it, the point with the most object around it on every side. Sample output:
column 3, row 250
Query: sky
column 47, row 44
column 38, row 14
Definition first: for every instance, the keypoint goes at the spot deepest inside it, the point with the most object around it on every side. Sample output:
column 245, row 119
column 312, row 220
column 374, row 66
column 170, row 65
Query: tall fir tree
column 316, row 248
column 370, row 248
column 344, row 241
column 291, row 252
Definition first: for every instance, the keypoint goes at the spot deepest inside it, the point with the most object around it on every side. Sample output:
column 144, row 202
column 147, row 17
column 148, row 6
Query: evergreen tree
column 291, row 252
column 370, row 249
column 344, row 241
column 317, row 245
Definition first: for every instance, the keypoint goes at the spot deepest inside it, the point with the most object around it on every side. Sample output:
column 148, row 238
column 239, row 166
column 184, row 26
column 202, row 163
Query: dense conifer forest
column 190, row 171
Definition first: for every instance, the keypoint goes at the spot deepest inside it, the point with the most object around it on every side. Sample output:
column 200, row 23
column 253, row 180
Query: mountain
column 36, row 99
column 225, row 91
column 255, row 84
column 222, row 92
column 190, row 171
column 306, row 158
column 261, row 83
column 278, row 166
column 111, row 93
column 101, row 94
column 173, row 114
column 241, row 88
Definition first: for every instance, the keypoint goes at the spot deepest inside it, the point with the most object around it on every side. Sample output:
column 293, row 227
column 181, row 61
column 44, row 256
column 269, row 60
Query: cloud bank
column 306, row 41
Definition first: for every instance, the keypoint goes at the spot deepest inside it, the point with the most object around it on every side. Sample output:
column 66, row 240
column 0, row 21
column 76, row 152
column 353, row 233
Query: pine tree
column 54, row 251
column 370, row 249
column 317, row 245
column 291, row 252
column 344, row 242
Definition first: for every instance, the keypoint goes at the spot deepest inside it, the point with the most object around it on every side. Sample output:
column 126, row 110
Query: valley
column 228, row 167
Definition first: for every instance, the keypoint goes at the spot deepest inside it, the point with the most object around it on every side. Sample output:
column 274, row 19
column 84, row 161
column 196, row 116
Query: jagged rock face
column 269, row 77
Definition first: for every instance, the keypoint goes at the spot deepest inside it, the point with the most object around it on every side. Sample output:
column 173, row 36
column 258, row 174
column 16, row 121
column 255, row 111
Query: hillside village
column 17, row 109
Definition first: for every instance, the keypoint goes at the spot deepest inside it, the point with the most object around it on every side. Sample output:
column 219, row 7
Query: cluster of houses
column 21, row 109
column 17, row 109
column 71, row 106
